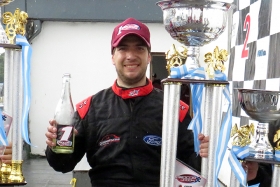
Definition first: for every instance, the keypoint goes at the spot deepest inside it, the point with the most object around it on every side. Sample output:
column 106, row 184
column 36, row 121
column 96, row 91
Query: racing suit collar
column 127, row 93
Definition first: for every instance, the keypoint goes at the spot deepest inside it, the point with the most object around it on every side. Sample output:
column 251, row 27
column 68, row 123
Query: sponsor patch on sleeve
column 183, row 110
column 83, row 106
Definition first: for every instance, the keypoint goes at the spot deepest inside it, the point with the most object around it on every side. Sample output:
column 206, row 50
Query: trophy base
column 268, row 161
column 262, row 154
column 14, row 184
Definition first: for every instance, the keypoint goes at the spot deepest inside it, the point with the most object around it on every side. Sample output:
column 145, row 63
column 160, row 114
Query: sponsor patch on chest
column 109, row 139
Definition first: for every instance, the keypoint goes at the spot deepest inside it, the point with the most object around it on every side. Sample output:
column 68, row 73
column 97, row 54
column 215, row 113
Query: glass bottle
column 64, row 117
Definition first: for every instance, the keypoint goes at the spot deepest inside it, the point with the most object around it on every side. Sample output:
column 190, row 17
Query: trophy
column 194, row 24
column 263, row 106
column 16, row 63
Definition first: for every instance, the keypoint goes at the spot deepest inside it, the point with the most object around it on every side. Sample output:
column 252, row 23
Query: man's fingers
column 51, row 135
column 204, row 144
column 6, row 158
column 52, row 129
column 200, row 136
column 52, row 122
column 8, row 151
column 50, row 142
column 203, row 152
column 203, row 139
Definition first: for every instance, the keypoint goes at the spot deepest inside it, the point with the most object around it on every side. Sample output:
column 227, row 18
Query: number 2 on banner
column 246, row 27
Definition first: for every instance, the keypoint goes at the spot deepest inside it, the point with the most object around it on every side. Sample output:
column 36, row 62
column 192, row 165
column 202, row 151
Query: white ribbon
column 26, row 63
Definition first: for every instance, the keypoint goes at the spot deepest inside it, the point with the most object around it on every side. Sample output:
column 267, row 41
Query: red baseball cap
column 130, row 26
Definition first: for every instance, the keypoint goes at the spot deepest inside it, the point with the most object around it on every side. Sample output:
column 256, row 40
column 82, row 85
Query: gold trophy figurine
column 242, row 136
column 15, row 24
column 276, row 140
column 215, row 61
column 175, row 56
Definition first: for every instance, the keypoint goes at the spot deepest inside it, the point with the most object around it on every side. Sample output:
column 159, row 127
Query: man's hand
column 52, row 133
column 7, row 156
column 204, row 144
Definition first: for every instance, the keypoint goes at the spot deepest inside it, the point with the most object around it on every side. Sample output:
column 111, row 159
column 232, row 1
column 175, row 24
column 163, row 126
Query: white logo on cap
column 128, row 27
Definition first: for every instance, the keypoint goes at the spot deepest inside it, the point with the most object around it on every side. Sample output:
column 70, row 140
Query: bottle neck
column 66, row 86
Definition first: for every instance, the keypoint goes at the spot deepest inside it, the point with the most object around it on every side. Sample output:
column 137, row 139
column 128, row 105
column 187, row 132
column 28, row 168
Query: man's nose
column 131, row 54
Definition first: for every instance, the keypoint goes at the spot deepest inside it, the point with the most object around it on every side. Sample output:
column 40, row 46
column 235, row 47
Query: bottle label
column 64, row 135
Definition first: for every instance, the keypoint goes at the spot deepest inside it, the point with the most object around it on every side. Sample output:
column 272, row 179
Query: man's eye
column 121, row 48
column 141, row 48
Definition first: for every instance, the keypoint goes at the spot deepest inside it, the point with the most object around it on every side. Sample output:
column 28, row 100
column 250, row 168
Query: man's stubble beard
column 131, row 81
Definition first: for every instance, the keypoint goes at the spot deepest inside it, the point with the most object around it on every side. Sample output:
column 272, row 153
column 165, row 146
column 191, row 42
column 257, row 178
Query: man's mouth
column 131, row 66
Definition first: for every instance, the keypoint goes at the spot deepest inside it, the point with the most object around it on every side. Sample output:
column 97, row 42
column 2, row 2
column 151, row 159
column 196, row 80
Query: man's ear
column 149, row 58
column 113, row 62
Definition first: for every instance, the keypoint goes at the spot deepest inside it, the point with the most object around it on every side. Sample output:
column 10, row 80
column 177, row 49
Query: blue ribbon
column 3, row 136
column 26, row 65
column 196, row 90
column 196, row 123
column 277, row 155
column 241, row 153
column 224, row 134
column 255, row 185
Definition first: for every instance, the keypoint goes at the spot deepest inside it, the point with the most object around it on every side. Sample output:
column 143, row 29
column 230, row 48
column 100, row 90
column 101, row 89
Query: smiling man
column 119, row 128
column 131, row 53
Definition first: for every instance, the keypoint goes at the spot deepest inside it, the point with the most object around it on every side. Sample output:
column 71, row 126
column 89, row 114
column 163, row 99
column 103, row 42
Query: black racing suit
column 120, row 132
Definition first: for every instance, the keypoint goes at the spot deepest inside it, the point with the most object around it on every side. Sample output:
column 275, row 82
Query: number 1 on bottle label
column 64, row 135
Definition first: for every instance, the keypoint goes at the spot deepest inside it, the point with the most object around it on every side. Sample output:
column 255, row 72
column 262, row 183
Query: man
column 120, row 128
column 258, row 173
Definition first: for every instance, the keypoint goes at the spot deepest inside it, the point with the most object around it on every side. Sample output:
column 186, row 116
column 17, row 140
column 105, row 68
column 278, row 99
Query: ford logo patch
column 152, row 140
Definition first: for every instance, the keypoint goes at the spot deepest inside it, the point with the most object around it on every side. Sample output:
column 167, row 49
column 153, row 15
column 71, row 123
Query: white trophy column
column 211, row 128
column 169, row 133
column 275, row 176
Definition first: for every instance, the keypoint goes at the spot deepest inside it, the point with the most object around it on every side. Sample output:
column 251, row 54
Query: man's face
column 251, row 168
column 131, row 58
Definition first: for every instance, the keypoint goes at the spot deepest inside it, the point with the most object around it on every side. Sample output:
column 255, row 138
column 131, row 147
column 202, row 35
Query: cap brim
column 116, row 43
